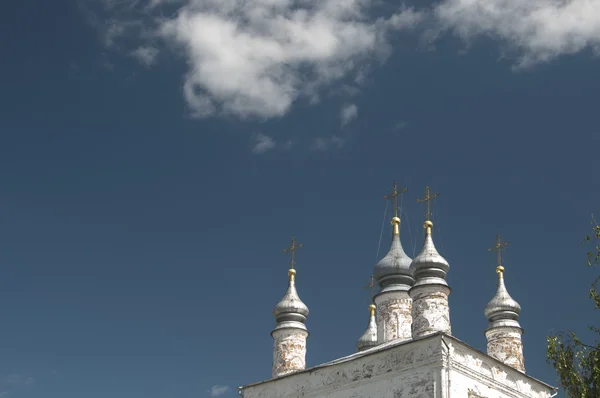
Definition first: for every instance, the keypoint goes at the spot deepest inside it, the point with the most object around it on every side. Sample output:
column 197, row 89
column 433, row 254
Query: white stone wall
column 505, row 344
column 394, row 316
column 403, row 371
column 415, row 369
column 430, row 311
column 473, row 374
column 289, row 351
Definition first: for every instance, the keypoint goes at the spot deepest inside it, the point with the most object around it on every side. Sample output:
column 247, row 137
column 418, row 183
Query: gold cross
column 370, row 286
column 499, row 246
column 394, row 195
column 428, row 198
column 292, row 249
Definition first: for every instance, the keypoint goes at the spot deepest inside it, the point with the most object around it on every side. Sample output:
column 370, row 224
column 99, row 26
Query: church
column 407, row 350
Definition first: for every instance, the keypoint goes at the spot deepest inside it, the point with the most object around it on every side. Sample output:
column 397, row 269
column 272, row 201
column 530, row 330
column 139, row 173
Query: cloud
column 263, row 143
column 217, row 390
column 17, row 380
column 401, row 125
column 323, row 144
column 348, row 113
column 256, row 58
column 11, row 383
column 536, row 30
column 145, row 54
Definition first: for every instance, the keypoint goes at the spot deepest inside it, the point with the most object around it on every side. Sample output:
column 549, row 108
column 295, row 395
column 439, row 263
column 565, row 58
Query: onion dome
column 393, row 272
column 291, row 308
column 369, row 338
column 429, row 267
column 502, row 310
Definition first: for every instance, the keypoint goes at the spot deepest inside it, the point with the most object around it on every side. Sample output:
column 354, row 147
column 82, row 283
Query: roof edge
column 347, row 358
column 374, row 350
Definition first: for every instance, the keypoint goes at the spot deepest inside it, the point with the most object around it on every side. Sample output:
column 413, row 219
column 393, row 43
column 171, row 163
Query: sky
column 157, row 156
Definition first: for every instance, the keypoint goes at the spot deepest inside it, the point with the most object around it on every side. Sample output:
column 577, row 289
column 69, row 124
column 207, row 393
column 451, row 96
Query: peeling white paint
column 394, row 316
column 430, row 311
column 422, row 368
column 289, row 351
column 505, row 344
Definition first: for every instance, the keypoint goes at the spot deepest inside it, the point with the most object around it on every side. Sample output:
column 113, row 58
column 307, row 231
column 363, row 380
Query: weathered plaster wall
column 471, row 371
column 414, row 369
column 400, row 372
column 394, row 316
column 289, row 351
column 430, row 311
column 505, row 344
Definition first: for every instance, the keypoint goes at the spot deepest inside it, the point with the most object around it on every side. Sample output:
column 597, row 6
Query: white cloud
column 255, row 58
column 348, row 113
column 401, row 125
column 323, row 144
column 13, row 382
column 18, row 380
column 145, row 54
column 217, row 390
column 537, row 30
column 262, row 144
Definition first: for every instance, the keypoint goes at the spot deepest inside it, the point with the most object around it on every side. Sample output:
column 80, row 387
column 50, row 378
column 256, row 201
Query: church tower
column 407, row 349
column 290, row 334
column 430, row 310
column 393, row 274
column 504, row 331
column 369, row 338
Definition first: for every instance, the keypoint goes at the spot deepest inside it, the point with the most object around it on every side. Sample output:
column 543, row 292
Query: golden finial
column 372, row 309
column 498, row 247
column 292, row 249
column 428, row 198
column 394, row 195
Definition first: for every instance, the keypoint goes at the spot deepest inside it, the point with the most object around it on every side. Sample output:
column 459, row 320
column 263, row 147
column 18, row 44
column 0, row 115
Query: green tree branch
column 577, row 364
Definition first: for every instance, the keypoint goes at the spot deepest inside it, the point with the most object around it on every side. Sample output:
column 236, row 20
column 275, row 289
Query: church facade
column 407, row 350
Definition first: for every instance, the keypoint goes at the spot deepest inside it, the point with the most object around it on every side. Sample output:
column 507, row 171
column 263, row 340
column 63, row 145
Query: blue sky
column 157, row 156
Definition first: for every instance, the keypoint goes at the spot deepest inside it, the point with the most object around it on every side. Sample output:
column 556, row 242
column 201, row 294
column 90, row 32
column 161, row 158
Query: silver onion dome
column 502, row 309
column 429, row 266
column 291, row 308
column 393, row 272
column 369, row 338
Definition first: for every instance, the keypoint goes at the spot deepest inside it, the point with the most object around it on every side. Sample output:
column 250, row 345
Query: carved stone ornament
column 474, row 393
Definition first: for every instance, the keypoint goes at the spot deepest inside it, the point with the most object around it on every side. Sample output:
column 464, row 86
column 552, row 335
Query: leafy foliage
column 578, row 364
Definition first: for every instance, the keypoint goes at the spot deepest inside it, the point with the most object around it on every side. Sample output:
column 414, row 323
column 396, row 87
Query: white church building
column 408, row 350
